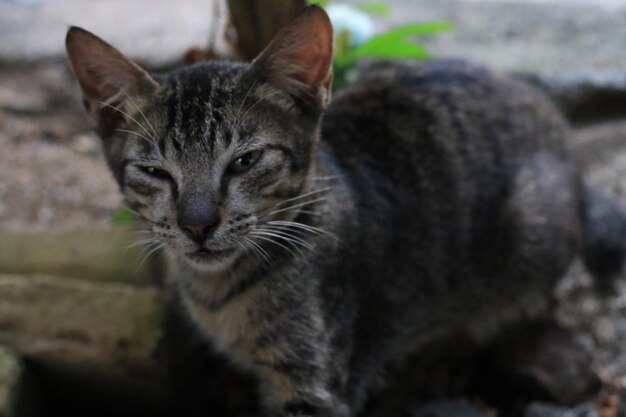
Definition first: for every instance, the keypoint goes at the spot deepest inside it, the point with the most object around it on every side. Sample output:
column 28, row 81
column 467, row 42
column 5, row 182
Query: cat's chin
column 211, row 260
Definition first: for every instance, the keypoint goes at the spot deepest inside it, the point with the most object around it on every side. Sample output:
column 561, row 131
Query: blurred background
column 84, row 325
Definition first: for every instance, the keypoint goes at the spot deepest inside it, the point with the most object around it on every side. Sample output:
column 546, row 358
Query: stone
column 538, row 409
column 9, row 372
column 561, row 39
column 117, row 255
column 157, row 33
column 101, row 328
column 602, row 151
column 573, row 48
column 447, row 408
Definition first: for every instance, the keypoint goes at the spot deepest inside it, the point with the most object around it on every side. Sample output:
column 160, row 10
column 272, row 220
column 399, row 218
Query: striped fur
column 427, row 204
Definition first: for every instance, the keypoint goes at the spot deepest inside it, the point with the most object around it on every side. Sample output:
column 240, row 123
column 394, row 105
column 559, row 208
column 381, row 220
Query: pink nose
column 198, row 215
column 197, row 229
column 199, row 232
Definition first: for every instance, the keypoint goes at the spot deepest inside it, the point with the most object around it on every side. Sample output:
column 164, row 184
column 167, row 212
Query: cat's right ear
column 298, row 60
column 107, row 78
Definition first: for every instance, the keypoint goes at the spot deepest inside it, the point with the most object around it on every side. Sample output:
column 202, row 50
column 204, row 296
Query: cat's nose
column 198, row 218
column 197, row 232
column 200, row 232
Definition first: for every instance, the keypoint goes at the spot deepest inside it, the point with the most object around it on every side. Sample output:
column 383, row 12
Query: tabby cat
column 319, row 242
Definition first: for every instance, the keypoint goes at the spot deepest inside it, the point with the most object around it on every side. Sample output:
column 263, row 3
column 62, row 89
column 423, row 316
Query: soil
column 52, row 174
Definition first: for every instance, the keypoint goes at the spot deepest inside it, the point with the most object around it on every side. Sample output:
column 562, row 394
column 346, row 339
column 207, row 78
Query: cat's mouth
column 207, row 256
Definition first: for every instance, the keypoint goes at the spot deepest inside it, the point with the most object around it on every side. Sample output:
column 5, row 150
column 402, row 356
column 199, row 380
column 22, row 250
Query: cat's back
column 442, row 139
column 446, row 109
column 437, row 152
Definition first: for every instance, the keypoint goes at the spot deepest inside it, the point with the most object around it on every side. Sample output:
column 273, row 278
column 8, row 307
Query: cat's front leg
column 299, row 374
column 287, row 392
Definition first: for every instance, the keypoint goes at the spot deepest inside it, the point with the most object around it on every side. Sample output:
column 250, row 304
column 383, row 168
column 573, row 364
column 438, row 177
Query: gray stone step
column 564, row 39
column 156, row 32
column 573, row 48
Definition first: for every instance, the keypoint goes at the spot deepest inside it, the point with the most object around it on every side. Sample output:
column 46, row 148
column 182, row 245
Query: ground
column 53, row 176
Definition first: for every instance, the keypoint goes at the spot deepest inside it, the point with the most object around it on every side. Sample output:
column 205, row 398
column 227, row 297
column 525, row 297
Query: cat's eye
column 156, row 172
column 245, row 161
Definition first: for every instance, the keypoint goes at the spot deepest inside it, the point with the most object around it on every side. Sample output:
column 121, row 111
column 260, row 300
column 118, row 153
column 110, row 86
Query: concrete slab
column 156, row 32
column 564, row 42
column 555, row 39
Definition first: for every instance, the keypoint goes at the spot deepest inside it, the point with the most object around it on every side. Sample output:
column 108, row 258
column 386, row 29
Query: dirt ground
column 53, row 176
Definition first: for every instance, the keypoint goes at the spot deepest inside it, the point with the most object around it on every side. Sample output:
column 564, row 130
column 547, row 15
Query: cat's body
column 438, row 203
column 464, row 221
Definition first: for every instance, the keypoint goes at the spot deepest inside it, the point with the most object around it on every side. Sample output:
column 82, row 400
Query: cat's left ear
column 107, row 78
column 298, row 60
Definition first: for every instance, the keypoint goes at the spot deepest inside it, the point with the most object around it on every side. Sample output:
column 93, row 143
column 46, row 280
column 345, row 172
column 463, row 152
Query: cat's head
column 210, row 153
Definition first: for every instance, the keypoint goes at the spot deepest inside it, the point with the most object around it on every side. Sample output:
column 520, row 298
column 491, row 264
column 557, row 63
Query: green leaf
column 417, row 29
column 321, row 3
column 342, row 43
column 378, row 9
column 123, row 216
column 386, row 50
column 394, row 44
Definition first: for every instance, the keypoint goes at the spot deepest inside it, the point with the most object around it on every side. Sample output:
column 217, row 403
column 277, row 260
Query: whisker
column 317, row 200
column 288, row 235
column 140, row 243
column 147, row 248
column 246, row 248
column 241, row 120
column 145, row 241
column 298, row 232
column 153, row 250
column 309, row 212
column 132, row 132
column 326, row 178
column 294, row 240
column 278, row 244
column 145, row 219
column 319, row 190
column 244, row 102
column 262, row 251
column 132, row 210
column 258, row 249
column 104, row 103
column 139, row 215
column 316, row 230
column 140, row 112
column 293, row 199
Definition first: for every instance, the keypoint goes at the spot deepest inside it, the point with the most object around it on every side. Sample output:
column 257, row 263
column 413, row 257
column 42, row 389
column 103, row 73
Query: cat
column 319, row 242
